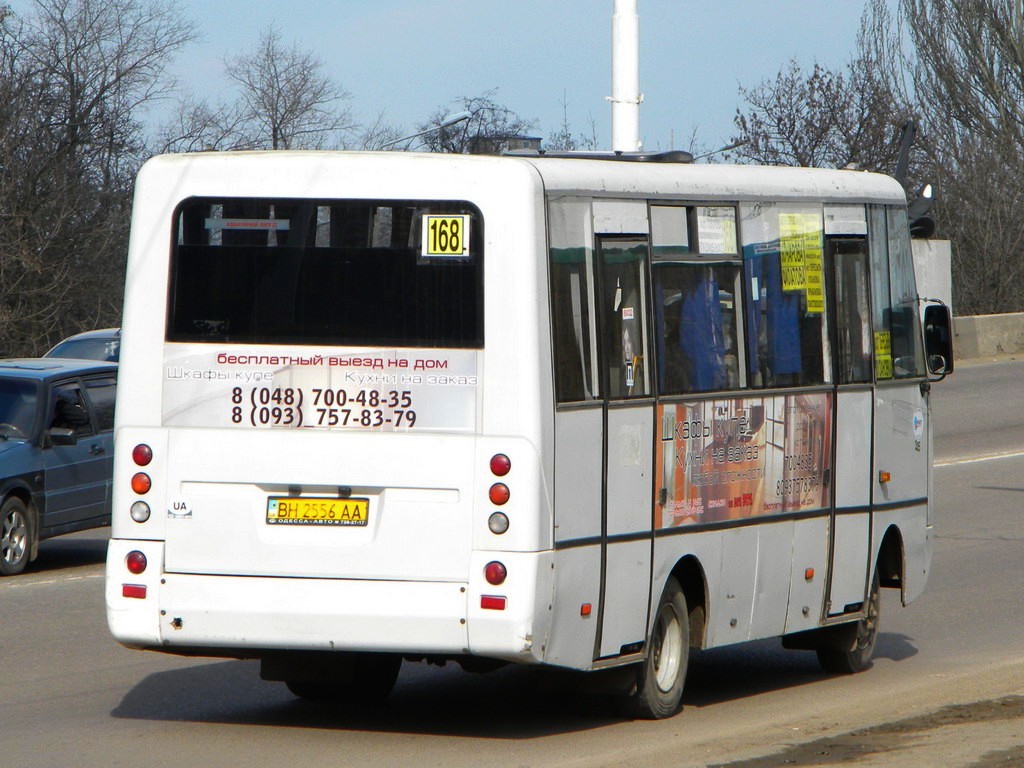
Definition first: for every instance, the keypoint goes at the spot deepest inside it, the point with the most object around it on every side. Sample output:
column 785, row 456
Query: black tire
column 854, row 644
column 15, row 536
column 658, row 688
column 364, row 678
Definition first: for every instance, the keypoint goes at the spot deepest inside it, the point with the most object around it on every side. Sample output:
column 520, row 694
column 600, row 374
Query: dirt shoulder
column 982, row 734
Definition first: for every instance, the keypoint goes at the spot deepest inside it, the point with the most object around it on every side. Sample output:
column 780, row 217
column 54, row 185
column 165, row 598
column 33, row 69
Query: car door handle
column 97, row 449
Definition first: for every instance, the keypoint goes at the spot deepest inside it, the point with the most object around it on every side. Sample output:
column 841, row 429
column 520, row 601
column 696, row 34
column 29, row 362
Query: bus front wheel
column 853, row 644
column 658, row 687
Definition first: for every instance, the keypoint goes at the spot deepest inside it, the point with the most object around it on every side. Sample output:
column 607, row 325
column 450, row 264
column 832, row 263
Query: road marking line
column 42, row 582
column 977, row 459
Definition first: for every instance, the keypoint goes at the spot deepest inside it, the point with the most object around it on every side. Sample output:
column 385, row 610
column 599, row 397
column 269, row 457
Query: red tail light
column 136, row 562
column 500, row 464
column 142, row 454
column 495, row 573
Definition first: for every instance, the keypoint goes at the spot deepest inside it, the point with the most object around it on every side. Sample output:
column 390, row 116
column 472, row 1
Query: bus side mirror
column 938, row 339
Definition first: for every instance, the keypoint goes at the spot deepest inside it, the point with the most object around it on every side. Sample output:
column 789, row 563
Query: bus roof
column 716, row 181
column 597, row 177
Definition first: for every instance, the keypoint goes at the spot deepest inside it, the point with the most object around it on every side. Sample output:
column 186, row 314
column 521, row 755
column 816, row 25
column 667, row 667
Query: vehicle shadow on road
column 511, row 703
column 738, row 671
column 73, row 551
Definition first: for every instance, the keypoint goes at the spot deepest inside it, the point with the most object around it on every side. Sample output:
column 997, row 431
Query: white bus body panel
column 578, row 449
column 807, row 595
column 852, row 527
column 578, row 596
column 628, row 513
column 902, row 448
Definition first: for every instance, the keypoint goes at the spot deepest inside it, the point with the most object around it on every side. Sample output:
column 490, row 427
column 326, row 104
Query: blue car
column 104, row 344
column 56, row 452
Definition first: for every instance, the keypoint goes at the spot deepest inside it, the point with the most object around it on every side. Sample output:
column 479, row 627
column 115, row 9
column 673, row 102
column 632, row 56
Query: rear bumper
column 242, row 615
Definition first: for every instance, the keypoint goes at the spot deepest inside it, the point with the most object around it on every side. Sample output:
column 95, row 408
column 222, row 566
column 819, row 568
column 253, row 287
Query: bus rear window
column 337, row 273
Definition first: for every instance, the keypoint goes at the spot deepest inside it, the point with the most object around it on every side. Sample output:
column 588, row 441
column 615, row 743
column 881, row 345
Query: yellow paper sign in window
column 445, row 236
column 801, row 258
column 883, row 354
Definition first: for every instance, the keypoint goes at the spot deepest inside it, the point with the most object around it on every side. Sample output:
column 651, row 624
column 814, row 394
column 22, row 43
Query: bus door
column 901, row 447
column 628, row 455
column 847, row 257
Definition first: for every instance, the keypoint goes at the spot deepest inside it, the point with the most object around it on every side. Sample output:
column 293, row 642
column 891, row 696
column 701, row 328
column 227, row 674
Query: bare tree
column 490, row 125
column 378, row 134
column 967, row 77
column 565, row 139
column 287, row 102
column 75, row 74
column 823, row 118
column 197, row 126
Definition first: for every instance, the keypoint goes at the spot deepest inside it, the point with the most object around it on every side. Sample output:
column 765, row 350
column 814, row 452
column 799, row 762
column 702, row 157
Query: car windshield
column 17, row 409
column 88, row 349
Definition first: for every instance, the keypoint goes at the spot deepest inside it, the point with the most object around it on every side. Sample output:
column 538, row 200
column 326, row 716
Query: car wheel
column 15, row 536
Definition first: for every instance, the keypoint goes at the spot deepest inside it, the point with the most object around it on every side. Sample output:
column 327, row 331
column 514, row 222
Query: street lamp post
column 458, row 117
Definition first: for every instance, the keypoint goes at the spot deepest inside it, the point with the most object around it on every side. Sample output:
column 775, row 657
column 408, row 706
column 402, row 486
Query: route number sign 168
column 445, row 236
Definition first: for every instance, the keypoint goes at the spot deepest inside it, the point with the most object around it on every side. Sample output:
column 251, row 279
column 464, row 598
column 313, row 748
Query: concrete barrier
column 988, row 335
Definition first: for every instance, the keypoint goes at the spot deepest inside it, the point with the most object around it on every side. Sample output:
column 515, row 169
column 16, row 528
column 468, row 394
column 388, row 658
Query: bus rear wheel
column 658, row 687
column 363, row 678
column 854, row 644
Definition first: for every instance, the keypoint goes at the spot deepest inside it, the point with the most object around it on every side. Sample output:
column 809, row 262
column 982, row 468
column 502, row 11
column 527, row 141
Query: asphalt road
column 947, row 686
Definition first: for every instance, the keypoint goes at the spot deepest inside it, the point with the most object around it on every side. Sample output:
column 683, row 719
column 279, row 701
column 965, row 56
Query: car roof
column 46, row 368
column 101, row 333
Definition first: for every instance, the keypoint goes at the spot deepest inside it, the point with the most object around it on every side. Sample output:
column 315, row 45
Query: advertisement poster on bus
column 738, row 458
column 367, row 389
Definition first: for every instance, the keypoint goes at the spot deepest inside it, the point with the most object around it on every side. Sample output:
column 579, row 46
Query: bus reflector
column 500, row 464
column 495, row 573
column 141, row 483
column 492, row 603
column 142, row 454
column 586, row 609
column 883, row 476
column 499, row 494
column 134, row 590
column 135, row 562
column 808, row 574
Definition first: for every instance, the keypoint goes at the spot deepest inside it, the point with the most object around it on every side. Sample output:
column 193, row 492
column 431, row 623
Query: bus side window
column 574, row 330
column 849, row 259
column 696, row 331
column 785, row 311
column 623, row 315
column 896, row 325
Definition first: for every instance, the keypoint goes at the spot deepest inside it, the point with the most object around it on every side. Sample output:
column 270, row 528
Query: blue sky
column 406, row 58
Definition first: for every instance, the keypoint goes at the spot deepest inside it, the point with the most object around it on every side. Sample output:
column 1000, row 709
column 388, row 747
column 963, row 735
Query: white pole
column 626, row 96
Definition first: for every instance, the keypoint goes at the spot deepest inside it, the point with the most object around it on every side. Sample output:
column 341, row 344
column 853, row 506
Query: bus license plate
column 308, row 510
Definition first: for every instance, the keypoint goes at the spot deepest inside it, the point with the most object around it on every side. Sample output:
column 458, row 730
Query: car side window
column 69, row 410
column 101, row 393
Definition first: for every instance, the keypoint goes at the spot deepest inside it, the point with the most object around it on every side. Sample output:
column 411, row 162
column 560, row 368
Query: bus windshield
column 341, row 272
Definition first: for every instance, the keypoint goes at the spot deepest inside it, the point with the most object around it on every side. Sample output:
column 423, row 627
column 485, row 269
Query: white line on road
column 57, row 580
column 956, row 461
